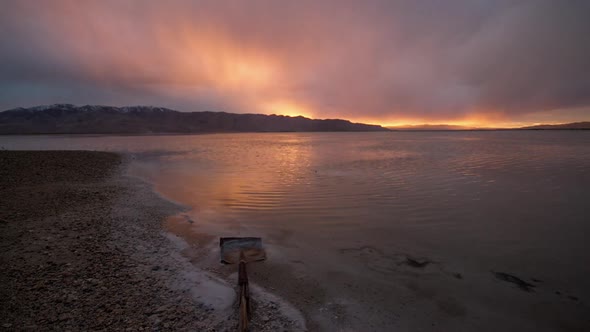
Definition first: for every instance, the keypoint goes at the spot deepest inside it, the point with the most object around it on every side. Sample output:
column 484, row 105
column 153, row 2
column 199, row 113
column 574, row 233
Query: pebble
column 99, row 229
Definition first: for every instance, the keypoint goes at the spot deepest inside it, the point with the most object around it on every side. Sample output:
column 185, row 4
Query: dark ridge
column 89, row 119
column 444, row 127
column 569, row 126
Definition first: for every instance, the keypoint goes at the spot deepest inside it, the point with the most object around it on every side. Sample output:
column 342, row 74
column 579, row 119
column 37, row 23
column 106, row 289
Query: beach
column 82, row 248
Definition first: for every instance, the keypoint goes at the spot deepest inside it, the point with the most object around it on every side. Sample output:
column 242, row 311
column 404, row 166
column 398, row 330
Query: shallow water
column 514, row 201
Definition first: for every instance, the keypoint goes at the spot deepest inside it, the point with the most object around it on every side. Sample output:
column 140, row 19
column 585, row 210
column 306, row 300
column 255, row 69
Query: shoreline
column 90, row 245
column 84, row 248
column 389, row 130
column 405, row 288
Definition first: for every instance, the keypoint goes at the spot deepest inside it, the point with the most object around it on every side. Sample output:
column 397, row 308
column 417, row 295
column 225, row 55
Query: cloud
column 379, row 60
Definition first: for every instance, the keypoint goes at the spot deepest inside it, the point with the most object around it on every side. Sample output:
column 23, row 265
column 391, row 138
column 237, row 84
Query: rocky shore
column 82, row 248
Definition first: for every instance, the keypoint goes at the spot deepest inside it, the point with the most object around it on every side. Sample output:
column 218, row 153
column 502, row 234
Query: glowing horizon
column 388, row 63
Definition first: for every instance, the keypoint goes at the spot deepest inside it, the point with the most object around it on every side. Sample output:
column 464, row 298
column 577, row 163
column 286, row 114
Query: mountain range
column 97, row 119
column 89, row 119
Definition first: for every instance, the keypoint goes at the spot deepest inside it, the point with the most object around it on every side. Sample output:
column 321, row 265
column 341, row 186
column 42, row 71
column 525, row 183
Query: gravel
column 82, row 248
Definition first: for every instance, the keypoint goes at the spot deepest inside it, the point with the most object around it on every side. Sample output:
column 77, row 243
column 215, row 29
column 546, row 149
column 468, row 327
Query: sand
column 82, row 248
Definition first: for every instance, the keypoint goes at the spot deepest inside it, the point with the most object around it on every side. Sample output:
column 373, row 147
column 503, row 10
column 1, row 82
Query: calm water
column 508, row 201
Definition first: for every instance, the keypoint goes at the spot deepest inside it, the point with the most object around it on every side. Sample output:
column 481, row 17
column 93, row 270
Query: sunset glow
column 388, row 63
column 285, row 108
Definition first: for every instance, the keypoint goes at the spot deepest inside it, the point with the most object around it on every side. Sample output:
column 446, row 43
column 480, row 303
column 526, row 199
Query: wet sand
column 405, row 291
column 82, row 248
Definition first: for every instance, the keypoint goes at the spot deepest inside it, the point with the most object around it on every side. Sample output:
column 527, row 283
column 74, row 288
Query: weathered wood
column 244, row 297
column 242, row 250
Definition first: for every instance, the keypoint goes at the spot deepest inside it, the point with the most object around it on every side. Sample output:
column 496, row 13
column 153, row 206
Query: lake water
column 347, row 204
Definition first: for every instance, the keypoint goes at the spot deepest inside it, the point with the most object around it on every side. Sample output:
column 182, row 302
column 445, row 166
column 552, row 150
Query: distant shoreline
column 493, row 129
column 389, row 130
column 148, row 120
column 287, row 132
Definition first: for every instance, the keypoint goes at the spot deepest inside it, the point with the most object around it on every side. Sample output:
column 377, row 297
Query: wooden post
column 244, row 296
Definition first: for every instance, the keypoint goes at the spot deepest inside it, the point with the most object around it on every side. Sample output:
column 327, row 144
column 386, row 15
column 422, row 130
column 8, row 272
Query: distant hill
column 571, row 126
column 71, row 119
column 437, row 127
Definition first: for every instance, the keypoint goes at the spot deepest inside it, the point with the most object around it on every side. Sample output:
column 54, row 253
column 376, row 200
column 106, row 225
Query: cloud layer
column 382, row 61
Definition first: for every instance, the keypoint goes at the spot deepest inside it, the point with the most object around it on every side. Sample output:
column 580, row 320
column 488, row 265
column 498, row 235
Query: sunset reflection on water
column 333, row 186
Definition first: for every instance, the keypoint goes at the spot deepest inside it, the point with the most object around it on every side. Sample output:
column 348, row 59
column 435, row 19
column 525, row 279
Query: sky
column 391, row 62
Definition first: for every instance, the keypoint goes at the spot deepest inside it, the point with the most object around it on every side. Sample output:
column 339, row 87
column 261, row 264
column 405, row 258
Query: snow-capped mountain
column 97, row 119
